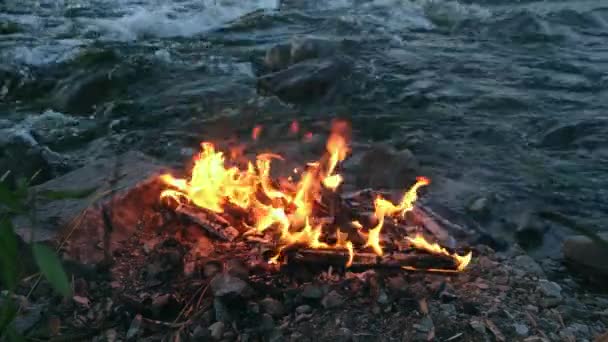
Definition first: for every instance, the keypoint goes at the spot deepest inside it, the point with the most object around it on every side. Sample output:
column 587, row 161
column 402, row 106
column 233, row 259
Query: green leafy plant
column 13, row 202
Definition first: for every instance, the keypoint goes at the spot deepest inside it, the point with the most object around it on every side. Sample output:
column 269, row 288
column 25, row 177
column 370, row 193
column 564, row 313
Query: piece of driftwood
column 209, row 221
column 340, row 257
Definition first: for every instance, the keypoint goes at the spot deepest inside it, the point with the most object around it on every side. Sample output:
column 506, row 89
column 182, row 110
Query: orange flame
column 286, row 207
column 385, row 208
column 420, row 243
column 255, row 133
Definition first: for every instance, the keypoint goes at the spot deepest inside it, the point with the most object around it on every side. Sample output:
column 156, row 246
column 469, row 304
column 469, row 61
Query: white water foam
column 174, row 19
column 397, row 15
column 43, row 54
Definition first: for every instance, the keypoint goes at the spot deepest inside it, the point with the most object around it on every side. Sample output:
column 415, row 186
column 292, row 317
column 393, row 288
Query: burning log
column 208, row 221
column 340, row 257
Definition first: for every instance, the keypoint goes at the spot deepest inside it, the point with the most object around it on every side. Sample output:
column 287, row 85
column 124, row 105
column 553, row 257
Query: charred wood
column 340, row 257
column 208, row 221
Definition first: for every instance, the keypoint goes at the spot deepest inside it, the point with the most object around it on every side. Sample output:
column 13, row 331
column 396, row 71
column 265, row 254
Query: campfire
column 305, row 216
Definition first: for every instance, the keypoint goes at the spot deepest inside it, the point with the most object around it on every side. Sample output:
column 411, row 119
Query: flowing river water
column 500, row 99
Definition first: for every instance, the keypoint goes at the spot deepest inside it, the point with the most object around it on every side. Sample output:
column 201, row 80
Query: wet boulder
column 310, row 79
column 59, row 131
column 23, row 157
column 281, row 56
column 80, row 92
column 278, row 57
column 587, row 256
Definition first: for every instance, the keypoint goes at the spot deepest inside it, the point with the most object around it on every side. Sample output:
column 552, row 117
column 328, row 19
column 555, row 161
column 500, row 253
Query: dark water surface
column 496, row 98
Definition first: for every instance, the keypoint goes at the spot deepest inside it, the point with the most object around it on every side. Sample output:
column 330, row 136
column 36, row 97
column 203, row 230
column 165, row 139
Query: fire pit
column 304, row 216
column 263, row 244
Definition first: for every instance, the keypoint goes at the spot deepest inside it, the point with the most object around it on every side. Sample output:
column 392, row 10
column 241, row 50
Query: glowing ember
column 294, row 128
column 286, row 207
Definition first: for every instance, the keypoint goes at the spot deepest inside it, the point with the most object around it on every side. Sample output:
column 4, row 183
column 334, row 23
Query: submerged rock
column 307, row 80
column 588, row 256
column 572, row 135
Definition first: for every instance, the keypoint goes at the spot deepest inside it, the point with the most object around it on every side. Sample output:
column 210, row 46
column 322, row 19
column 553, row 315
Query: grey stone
column 580, row 330
column 529, row 265
column 478, row 326
column 23, row 157
column 521, row 329
column 134, row 328
column 425, row 325
column 217, row 330
column 273, row 307
column 447, row 310
column 227, row 285
column 587, row 255
column 267, row 323
column 253, row 307
column 344, row 335
column 311, row 291
column 303, row 309
column 550, row 289
column 383, row 298
column 332, row 300
column 201, row 334
column 479, row 206
column 57, row 130
column 222, row 312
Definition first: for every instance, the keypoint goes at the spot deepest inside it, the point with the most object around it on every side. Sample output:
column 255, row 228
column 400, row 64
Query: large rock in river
column 310, row 79
column 74, row 203
column 588, row 256
column 281, row 56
